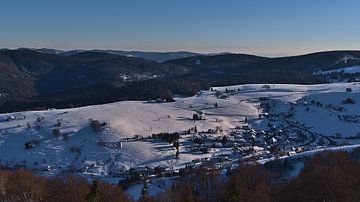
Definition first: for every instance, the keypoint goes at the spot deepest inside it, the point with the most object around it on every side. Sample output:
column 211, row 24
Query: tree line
column 327, row 176
column 22, row 185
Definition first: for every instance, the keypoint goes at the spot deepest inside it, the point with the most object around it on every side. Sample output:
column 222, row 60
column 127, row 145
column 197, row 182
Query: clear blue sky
column 266, row 27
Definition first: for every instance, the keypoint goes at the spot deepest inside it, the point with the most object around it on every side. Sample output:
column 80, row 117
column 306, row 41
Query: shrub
column 97, row 126
column 31, row 144
column 348, row 101
column 39, row 119
column 66, row 137
column 56, row 132
column 75, row 149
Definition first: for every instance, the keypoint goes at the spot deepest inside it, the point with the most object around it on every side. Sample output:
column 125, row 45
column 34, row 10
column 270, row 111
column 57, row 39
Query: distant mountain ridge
column 311, row 61
column 154, row 56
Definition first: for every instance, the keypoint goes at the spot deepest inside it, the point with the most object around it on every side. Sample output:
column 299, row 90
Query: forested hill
column 33, row 79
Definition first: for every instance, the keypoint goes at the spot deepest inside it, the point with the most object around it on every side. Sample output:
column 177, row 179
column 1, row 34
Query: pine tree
column 176, row 144
column 177, row 154
column 224, row 140
column 144, row 195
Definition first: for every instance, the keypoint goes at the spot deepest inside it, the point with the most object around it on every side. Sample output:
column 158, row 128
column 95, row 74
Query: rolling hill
column 46, row 78
column 153, row 56
column 307, row 117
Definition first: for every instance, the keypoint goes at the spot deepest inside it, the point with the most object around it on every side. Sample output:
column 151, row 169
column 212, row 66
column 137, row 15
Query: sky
column 263, row 27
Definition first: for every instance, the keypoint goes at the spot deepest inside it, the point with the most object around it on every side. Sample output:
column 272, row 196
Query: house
column 224, row 97
column 273, row 140
column 10, row 118
column 245, row 127
column 291, row 153
column 199, row 115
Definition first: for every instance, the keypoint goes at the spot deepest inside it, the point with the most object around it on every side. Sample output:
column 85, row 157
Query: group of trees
column 171, row 138
column 331, row 176
column 167, row 137
column 96, row 125
column 348, row 101
column 24, row 186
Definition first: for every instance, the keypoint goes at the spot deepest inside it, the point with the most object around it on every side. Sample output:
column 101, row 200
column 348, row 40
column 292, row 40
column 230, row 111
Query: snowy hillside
column 349, row 70
column 217, row 126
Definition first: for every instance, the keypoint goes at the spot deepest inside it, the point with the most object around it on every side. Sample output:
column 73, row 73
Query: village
column 282, row 136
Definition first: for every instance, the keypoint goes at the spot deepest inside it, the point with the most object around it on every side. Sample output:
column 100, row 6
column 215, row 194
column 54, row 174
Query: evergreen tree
column 176, row 144
column 144, row 195
column 177, row 154
column 224, row 140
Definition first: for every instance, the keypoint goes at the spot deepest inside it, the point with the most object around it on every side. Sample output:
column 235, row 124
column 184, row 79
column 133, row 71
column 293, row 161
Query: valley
column 217, row 128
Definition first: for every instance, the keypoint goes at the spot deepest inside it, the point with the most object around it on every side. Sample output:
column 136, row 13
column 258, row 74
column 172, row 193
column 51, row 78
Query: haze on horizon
column 271, row 28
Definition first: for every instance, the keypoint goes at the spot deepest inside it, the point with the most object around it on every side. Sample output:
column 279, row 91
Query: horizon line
column 269, row 55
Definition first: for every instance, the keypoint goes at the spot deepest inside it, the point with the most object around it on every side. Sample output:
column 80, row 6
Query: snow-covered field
column 62, row 140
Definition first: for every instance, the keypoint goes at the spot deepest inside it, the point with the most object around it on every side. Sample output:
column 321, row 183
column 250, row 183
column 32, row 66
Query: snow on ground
column 155, row 187
column 349, row 70
column 77, row 147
